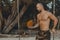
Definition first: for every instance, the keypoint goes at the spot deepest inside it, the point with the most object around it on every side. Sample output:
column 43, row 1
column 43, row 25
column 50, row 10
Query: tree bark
column 16, row 20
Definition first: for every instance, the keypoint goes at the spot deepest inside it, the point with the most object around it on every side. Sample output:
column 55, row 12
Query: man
column 43, row 20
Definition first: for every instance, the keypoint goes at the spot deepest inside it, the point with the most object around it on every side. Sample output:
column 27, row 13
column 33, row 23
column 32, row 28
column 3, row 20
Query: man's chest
column 43, row 17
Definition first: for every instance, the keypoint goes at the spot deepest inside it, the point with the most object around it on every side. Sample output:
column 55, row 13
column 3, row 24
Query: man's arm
column 55, row 20
column 37, row 24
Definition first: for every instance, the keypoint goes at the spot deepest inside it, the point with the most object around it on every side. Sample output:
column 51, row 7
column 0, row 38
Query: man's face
column 39, row 7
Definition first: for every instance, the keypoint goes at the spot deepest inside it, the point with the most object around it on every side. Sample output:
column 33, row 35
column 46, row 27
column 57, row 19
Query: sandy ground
column 55, row 37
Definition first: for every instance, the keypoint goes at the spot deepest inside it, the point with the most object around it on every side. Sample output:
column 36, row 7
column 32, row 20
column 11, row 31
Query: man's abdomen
column 44, row 25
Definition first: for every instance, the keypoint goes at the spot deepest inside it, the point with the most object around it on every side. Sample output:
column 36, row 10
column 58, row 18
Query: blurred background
column 17, row 16
column 8, row 17
column 29, row 16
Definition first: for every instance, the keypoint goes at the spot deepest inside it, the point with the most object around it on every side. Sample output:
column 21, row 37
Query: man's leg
column 47, row 35
column 43, row 35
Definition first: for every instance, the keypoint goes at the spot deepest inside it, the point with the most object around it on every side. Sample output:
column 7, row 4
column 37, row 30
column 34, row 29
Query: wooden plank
column 8, row 36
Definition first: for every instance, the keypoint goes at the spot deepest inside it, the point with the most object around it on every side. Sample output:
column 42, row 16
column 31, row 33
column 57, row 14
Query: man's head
column 39, row 7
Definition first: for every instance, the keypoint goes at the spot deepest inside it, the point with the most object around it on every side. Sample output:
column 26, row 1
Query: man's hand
column 53, row 31
column 36, row 25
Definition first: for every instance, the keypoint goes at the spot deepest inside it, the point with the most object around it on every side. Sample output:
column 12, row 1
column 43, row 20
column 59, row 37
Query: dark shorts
column 43, row 35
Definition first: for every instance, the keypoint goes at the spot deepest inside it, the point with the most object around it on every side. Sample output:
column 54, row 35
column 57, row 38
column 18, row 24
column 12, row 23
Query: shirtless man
column 43, row 20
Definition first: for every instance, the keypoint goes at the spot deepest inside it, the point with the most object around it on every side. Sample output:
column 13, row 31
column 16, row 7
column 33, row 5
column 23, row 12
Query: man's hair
column 40, row 4
column 44, row 6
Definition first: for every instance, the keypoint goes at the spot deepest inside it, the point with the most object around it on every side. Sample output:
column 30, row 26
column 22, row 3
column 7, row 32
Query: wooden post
column 54, row 14
column 1, row 19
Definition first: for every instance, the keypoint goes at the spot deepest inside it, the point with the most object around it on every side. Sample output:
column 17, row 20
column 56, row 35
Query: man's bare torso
column 44, row 20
